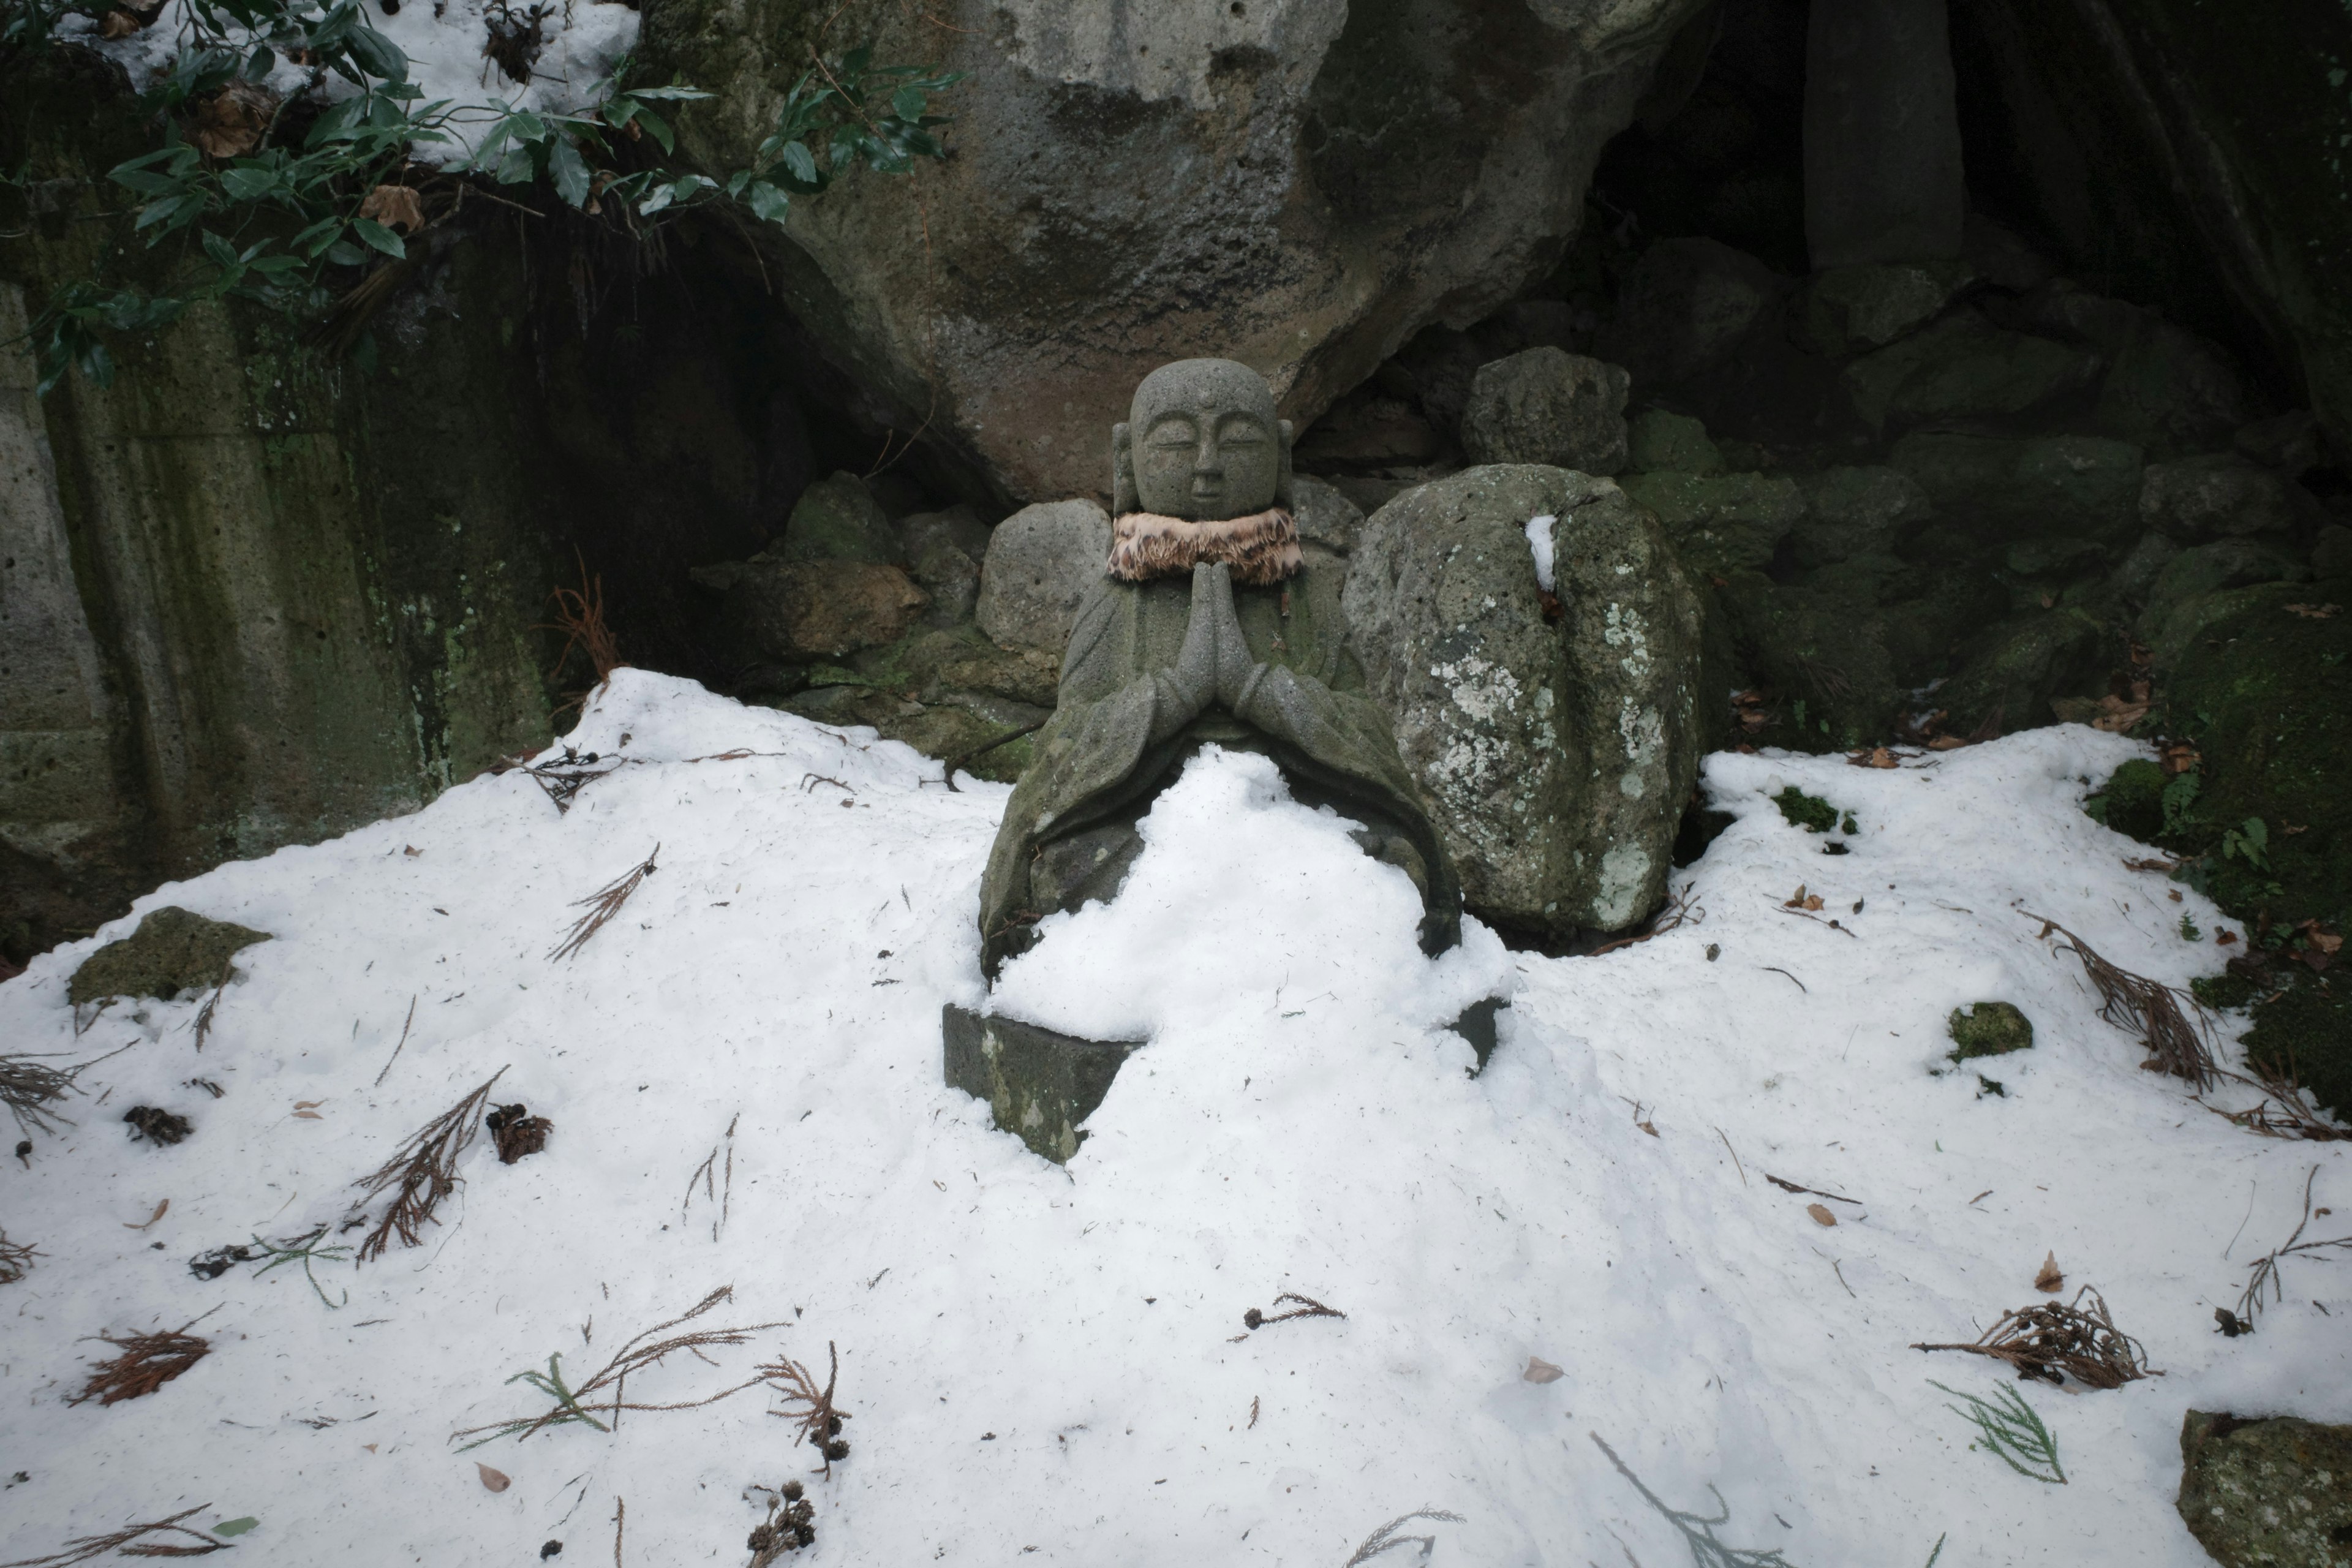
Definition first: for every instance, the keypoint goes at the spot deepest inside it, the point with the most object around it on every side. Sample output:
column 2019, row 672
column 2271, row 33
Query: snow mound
column 1055, row 1359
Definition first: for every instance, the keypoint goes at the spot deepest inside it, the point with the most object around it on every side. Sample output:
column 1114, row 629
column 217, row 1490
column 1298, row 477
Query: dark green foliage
column 2131, row 803
column 1988, row 1029
column 2008, row 1428
column 1809, row 812
column 2305, row 1032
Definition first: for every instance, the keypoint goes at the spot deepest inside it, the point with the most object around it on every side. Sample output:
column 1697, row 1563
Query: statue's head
column 1202, row 443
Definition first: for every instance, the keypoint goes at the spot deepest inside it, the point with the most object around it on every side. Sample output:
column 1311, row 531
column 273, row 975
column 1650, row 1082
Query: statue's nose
column 1207, row 460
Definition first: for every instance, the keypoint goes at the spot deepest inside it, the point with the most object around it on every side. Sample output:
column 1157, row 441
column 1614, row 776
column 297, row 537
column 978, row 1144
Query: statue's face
column 1206, row 442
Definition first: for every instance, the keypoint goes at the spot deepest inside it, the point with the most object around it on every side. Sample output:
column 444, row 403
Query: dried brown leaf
column 493, row 1480
column 2051, row 1281
column 394, row 205
column 1820, row 1213
column 1541, row 1371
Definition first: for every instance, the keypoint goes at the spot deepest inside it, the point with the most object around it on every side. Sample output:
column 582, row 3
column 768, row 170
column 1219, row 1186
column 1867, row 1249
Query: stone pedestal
column 1039, row 1084
column 1882, row 177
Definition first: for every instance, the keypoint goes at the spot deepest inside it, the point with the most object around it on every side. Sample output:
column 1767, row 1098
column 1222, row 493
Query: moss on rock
column 2132, row 802
column 174, row 950
column 1809, row 812
column 1988, row 1029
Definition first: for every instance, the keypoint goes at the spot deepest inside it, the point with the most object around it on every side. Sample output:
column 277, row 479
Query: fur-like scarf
column 1262, row 548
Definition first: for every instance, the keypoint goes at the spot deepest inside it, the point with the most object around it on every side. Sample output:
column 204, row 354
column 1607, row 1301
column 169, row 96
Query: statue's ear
column 1282, row 476
column 1123, row 499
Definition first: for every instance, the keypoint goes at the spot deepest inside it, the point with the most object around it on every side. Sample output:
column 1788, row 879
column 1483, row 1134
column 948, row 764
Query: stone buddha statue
column 1212, row 623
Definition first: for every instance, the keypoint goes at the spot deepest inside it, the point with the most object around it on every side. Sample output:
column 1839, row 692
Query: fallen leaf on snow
column 2052, row 1279
column 496, row 1480
column 1874, row 757
column 151, row 1218
column 1820, row 1213
column 231, row 122
column 1946, row 743
column 118, row 24
column 236, row 1526
column 1541, row 1371
column 2223, row 939
column 1802, row 900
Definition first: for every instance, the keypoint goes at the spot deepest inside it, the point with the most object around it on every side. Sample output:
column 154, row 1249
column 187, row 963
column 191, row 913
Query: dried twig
column 403, row 1041
column 1680, row 909
column 723, row 1199
column 580, row 617
column 15, row 1258
column 148, row 1361
column 2148, row 1009
column 212, row 1004
column 580, row 1404
column 2283, row 1113
column 1788, row 1186
column 789, row 1525
column 2050, row 1342
column 816, row 1420
column 424, row 1172
column 563, row 778
column 1697, row 1531
column 602, row 906
column 29, row 1086
column 1386, row 1536
column 1308, row 1308
column 2265, row 1270
column 88, row 1547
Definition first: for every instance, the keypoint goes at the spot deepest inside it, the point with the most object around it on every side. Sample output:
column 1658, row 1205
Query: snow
column 1050, row 1358
column 584, row 40
column 1538, row 531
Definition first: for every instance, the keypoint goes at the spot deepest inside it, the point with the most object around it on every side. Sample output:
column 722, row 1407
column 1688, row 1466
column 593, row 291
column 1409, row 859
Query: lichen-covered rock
column 1721, row 522
column 1964, row 367
column 1988, row 1029
column 1039, row 1085
column 1040, row 562
column 836, row 519
column 1856, row 512
column 1853, row 309
column 1557, row 757
column 2220, row 496
column 1992, row 487
column 1300, row 184
column 1545, row 405
column 2274, row 1492
column 1657, row 441
column 800, row 610
column 174, row 950
column 2196, row 574
column 1686, row 306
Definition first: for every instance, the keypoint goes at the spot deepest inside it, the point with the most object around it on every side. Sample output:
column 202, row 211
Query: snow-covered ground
column 1051, row 1360
column 582, row 40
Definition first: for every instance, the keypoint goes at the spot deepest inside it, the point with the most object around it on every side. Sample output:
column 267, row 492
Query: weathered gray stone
column 2210, row 568
column 1965, row 367
column 1883, row 179
column 1557, row 758
column 1659, row 442
column 174, row 950
column 1324, row 516
column 1721, row 522
column 2291, row 443
column 1856, row 512
column 958, row 525
column 1545, row 405
column 1990, row 486
column 1686, row 305
column 800, row 610
column 1851, row 310
column 2164, row 387
column 1041, row 560
column 951, row 577
column 2274, row 1492
column 836, row 519
column 1300, row 184
column 2137, row 575
column 2220, row 496
column 1039, row 1085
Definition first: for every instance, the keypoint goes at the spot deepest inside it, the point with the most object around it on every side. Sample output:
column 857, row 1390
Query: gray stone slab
column 1039, row 1084
column 1883, row 179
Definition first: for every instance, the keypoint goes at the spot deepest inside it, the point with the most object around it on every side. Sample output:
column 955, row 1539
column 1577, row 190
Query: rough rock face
column 1882, row 134
column 1546, row 406
column 836, row 519
column 2219, row 496
column 1685, row 304
column 1558, row 756
column 1299, row 184
column 2267, row 1493
column 802, row 610
column 1040, row 561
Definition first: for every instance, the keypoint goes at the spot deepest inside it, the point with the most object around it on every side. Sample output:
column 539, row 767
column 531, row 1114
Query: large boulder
column 2220, row 496
column 797, row 611
column 2269, row 1492
column 1856, row 512
column 1993, row 487
column 836, row 519
column 1853, row 309
column 1299, row 184
column 1557, row 753
column 1684, row 306
column 1965, row 367
column 1659, row 441
column 174, row 950
column 1040, row 561
column 1545, row 405
column 2010, row 674
column 1721, row 522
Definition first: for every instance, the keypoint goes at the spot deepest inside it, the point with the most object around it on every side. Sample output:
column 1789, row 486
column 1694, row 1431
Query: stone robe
column 1119, row 731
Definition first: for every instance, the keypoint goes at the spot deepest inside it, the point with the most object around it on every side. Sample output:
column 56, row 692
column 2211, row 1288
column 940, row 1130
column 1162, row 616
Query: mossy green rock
column 1988, row 1029
column 2009, row 680
column 1039, row 1085
column 1825, row 655
column 837, row 520
column 1720, row 522
column 174, row 950
column 2132, row 801
column 2273, row 1493
column 2210, row 568
column 1965, row 367
column 1854, row 511
column 2304, row 1033
column 1659, row 442
column 1996, row 486
column 1809, row 812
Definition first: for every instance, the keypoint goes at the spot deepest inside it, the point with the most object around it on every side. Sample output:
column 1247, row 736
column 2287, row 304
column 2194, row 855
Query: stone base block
column 1039, row 1084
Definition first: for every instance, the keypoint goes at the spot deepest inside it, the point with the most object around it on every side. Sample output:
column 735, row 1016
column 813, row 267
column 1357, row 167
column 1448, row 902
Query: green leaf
column 317, row 236
column 375, row 235
column 528, row 127
column 658, row 198
column 679, row 94
column 657, row 127
column 619, row 112
column 801, row 164
column 248, row 181
column 236, row 1526
column 378, row 55
column 569, row 171
column 517, row 167
column 223, row 253
column 909, row 102
column 768, row 201
column 343, row 253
